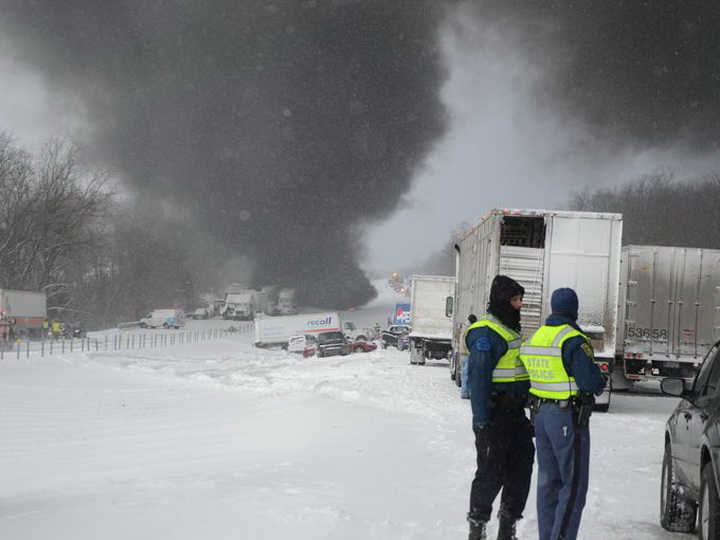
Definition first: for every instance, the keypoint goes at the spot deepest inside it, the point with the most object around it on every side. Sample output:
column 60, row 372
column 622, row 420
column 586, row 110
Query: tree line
column 658, row 209
column 63, row 230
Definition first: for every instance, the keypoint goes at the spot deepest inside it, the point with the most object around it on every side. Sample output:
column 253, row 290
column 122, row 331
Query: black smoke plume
column 281, row 125
column 638, row 74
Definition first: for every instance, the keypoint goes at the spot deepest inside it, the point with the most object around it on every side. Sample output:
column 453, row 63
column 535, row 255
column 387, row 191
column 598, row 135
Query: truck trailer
column 669, row 310
column 431, row 318
column 277, row 331
column 26, row 310
column 544, row 250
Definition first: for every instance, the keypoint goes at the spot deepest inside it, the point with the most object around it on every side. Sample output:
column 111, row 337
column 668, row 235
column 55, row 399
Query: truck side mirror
column 449, row 301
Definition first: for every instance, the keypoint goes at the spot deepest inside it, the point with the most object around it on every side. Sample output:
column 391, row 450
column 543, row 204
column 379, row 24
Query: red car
column 362, row 346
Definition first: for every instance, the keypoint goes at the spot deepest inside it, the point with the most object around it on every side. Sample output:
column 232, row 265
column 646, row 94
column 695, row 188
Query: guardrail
column 120, row 341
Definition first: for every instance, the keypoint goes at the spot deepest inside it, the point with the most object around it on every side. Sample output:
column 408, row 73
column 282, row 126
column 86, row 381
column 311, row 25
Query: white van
column 163, row 318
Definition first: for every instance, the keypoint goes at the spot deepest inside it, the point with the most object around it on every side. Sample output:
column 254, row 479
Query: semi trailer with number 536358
column 668, row 310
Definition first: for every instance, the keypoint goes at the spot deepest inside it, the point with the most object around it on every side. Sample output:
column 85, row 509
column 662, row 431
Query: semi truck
column 668, row 311
column 243, row 305
column 25, row 310
column 544, row 250
column 431, row 318
column 277, row 331
column 286, row 302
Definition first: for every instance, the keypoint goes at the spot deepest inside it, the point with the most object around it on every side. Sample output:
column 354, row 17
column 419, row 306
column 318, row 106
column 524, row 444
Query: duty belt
column 562, row 403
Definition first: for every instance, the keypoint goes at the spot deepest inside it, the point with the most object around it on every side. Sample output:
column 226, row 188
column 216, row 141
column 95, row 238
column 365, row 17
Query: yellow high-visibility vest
column 542, row 357
column 509, row 368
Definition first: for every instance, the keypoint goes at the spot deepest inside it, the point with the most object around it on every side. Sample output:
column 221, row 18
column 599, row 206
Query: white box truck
column 544, row 250
column 286, row 302
column 669, row 310
column 277, row 331
column 239, row 305
column 26, row 310
column 164, row 318
column 431, row 318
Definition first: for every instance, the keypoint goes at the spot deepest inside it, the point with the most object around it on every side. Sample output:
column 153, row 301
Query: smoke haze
column 276, row 123
column 287, row 128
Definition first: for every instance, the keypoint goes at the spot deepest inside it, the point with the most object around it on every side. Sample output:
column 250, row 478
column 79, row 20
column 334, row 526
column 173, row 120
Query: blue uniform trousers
column 464, row 390
column 563, row 455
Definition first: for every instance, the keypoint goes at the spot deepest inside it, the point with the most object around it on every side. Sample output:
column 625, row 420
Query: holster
column 582, row 410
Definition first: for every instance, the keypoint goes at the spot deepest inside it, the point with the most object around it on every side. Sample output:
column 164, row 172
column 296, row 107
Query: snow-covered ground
column 219, row 440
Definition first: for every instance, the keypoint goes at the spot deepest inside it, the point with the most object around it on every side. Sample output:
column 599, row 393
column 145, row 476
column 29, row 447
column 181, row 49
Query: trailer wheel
column 676, row 514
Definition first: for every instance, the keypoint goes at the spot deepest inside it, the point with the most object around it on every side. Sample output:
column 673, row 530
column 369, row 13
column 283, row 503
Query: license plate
column 672, row 364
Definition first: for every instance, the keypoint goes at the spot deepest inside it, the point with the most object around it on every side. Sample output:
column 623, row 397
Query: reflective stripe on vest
column 509, row 367
column 542, row 357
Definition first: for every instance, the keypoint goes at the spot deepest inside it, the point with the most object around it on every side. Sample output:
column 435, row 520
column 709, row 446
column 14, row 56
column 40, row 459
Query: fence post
column 63, row 346
column 27, row 354
column 42, row 349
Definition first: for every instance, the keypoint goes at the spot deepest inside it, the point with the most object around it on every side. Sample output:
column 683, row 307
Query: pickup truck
column 397, row 336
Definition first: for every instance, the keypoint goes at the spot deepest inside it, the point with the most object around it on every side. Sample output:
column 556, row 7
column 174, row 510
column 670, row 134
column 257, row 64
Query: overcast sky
column 503, row 151
column 501, row 147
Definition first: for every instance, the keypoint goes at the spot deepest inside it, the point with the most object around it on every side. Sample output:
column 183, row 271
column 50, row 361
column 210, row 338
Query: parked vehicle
column 163, row 318
column 305, row 344
column 78, row 330
column 361, row 346
column 668, row 310
column 396, row 336
column 331, row 344
column 544, row 250
column 286, row 302
column 201, row 314
column 352, row 332
column 691, row 464
column 26, row 309
column 277, row 331
column 431, row 318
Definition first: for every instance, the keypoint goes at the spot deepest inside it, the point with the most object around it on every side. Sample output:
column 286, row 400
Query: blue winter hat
column 564, row 301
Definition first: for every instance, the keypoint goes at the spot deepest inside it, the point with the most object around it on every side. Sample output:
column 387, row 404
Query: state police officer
column 563, row 378
column 499, row 387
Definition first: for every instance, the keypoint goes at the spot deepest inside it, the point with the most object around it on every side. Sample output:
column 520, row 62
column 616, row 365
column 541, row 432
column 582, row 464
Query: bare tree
column 47, row 213
column 660, row 210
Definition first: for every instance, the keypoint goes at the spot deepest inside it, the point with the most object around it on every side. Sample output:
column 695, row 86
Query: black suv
column 396, row 335
column 692, row 453
column 332, row 343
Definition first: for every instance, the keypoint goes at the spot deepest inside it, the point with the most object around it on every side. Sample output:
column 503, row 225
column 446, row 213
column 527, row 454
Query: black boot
column 477, row 529
column 507, row 529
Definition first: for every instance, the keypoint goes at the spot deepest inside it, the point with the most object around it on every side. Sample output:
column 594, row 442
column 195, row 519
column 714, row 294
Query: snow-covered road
column 224, row 441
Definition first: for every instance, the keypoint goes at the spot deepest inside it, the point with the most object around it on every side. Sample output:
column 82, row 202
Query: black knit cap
column 503, row 288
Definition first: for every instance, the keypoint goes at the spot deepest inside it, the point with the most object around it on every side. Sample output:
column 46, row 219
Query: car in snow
column 304, row 344
column 691, row 463
column 396, row 336
column 361, row 345
column 201, row 314
column 332, row 343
